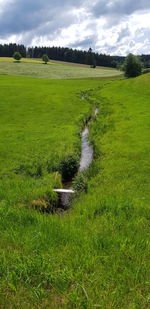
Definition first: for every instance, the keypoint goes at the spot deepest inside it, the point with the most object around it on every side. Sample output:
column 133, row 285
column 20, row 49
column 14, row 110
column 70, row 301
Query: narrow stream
column 85, row 160
column 86, row 151
column 86, row 148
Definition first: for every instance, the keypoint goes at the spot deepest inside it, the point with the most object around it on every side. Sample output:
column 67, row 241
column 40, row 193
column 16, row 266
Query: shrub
column 93, row 66
column 17, row 56
column 146, row 71
column 80, row 183
column 69, row 166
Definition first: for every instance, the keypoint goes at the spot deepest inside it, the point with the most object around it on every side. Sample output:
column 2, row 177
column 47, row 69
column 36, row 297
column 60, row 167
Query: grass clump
column 39, row 204
column 47, row 203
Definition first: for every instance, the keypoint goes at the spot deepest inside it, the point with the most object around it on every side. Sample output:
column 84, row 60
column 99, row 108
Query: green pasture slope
column 40, row 124
column 96, row 255
column 53, row 70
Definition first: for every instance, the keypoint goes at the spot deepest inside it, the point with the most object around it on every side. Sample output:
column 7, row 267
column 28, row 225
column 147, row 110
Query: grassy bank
column 96, row 255
column 53, row 70
column 40, row 125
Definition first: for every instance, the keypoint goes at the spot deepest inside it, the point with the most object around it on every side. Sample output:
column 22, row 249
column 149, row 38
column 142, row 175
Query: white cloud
column 116, row 27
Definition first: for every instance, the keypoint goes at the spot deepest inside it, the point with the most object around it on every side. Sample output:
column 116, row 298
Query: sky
column 115, row 27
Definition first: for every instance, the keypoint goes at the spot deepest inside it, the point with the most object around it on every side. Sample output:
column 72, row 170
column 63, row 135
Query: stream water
column 86, row 151
column 86, row 148
column 85, row 160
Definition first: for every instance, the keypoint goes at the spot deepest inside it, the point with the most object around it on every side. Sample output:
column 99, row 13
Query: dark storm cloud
column 119, row 8
column 25, row 15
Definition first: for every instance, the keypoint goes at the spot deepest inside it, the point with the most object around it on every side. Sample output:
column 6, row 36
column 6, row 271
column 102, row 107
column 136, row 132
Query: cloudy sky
column 115, row 27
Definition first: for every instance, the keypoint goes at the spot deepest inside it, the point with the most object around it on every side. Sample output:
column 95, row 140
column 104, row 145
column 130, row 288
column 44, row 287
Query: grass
column 24, row 60
column 56, row 70
column 41, row 123
column 39, row 60
column 97, row 254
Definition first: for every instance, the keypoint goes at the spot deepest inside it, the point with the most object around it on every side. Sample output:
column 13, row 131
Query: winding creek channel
column 86, row 147
column 85, row 161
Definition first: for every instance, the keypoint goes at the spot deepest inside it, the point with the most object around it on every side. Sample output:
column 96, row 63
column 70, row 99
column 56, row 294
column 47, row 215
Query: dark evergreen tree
column 90, row 58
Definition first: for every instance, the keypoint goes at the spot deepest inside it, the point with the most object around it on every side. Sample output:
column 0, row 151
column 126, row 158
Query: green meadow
column 41, row 123
column 53, row 70
column 95, row 255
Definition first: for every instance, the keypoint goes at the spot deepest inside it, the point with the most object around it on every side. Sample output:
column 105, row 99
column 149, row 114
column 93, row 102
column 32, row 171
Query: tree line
column 61, row 54
column 72, row 55
column 7, row 50
column 68, row 55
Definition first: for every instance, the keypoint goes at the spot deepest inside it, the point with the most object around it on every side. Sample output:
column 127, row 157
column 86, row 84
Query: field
column 96, row 255
column 41, row 123
column 53, row 70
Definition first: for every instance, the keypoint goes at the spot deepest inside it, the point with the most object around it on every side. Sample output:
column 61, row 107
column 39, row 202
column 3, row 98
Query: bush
column 93, row 66
column 132, row 66
column 45, row 58
column 17, row 56
column 80, row 183
column 69, row 166
column 146, row 71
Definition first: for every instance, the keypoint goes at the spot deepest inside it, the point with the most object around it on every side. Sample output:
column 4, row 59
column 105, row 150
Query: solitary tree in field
column 17, row 56
column 132, row 66
column 45, row 58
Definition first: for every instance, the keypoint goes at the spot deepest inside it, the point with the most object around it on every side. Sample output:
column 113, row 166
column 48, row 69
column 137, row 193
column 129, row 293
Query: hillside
column 96, row 255
column 53, row 70
column 41, row 123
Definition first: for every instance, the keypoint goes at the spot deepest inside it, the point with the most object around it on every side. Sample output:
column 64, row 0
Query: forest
column 60, row 53
column 66, row 54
